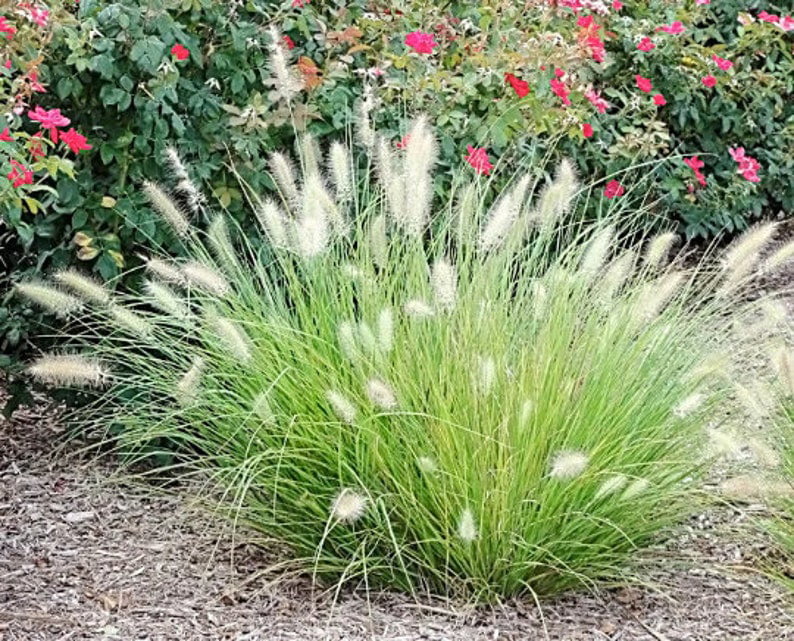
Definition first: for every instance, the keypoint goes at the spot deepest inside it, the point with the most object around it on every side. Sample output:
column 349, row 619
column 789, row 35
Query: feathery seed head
column 167, row 208
column 611, row 485
column 378, row 241
column 310, row 155
column 85, row 287
column 221, row 243
column 723, row 442
column 347, row 340
column 783, row 362
column 385, row 330
column 187, row 386
column 655, row 295
column 175, row 162
column 366, row 338
column 51, row 299
column 311, row 232
column 780, row 258
column 444, row 279
column 568, row 465
column 286, row 83
column 485, row 375
column 420, row 157
column 381, row 394
column 426, row 465
column 348, row 506
column 234, row 338
column 635, row 488
column 165, row 271
column 130, row 321
column 503, row 215
column 274, row 223
column 596, row 253
column 748, row 246
column 166, row 299
column 342, row 406
column 689, row 405
column 658, row 250
column 467, row 528
column 365, row 135
column 262, row 408
column 69, row 370
column 764, row 454
column 341, row 171
column 204, row 278
column 418, row 309
column 284, row 174
column 616, row 274
column 524, row 414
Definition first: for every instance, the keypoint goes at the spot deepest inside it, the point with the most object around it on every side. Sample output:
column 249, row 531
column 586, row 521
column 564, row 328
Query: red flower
column 587, row 129
column 299, row 4
column 617, row 5
column 786, row 23
column 19, row 174
column 7, row 29
column 180, row 52
column 559, row 73
column 643, row 84
column 696, row 164
column 421, row 42
column 596, row 100
column 403, row 142
column 768, row 17
column 288, row 42
column 74, row 140
column 521, row 87
column 659, row 99
column 722, row 63
column 748, row 166
column 585, row 21
column 559, row 89
column 613, row 189
column 646, row 44
column 478, row 159
column 709, row 81
column 50, row 120
column 674, row 28
column 5, row 136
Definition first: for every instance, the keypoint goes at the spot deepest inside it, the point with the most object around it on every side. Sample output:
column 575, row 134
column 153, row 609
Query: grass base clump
column 485, row 402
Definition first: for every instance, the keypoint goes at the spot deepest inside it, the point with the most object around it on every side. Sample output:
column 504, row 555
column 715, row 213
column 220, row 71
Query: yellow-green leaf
column 87, row 253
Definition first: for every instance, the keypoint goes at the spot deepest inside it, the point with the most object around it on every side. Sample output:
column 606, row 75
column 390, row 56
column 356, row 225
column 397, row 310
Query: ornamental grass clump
column 474, row 395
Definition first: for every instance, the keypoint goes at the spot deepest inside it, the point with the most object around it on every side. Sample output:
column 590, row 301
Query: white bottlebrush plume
column 221, row 243
column 284, row 174
column 525, row 413
column 749, row 245
column 165, row 271
column 166, row 299
column 418, row 163
column 764, row 454
column 176, row 164
column 170, row 212
column 274, row 223
column 205, row 278
column 611, row 485
column 781, row 257
column 342, row 406
column 426, row 465
column 467, row 528
column 348, row 506
column 365, row 135
column 783, row 362
column 557, row 196
column 262, row 408
column 658, row 250
column 635, row 488
column 51, row 299
column 130, row 321
column 348, row 343
column 723, row 442
column 234, row 339
column 444, row 279
column 756, row 487
column 385, row 330
column 655, row 296
column 755, row 398
column 418, row 309
column 392, row 181
column 540, row 296
column 311, row 231
column 286, row 83
column 689, row 405
column 378, row 241
column 485, row 376
column 69, row 370
column 353, row 272
column 568, row 465
column 381, row 394
column 85, row 287
column 595, row 254
column 503, row 214
column 317, row 201
column 185, row 185
column 366, row 338
column 341, row 170
column 310, row 155
column 616, row 274
column 188, row 385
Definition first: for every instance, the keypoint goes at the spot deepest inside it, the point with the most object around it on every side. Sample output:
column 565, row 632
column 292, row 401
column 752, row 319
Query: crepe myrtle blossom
column 674, row 28
column 478, row 159
column 613, row 189
column 521, row 87
column 709, row 81
column 722, row 63
column 50, row 120
column 421, row 42
column 696, row 164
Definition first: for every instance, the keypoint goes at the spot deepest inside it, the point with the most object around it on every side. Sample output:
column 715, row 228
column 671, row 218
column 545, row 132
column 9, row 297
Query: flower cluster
column 747, row 165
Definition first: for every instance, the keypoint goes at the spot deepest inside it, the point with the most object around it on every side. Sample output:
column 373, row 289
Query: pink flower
column 646, row 44
column 35, row 85
column 613, row 189
column 722, row 63
column 403, row 142
column 709, row 81
column 559, row 89
column 786, row 23
column 7, row 64
column 289, row 43
column 596, row 100
column 674, row 28
column 180, row 52
column 587, row 129
column 617, row 5
column 696, row 164
column 421, row 42
column 37, row 16
column 699, row 2
column 50, row 120
column 5, row 135
column 643, row 84
column 659, row 100
column 74, row 140
column 768, row 17
column 7, row 29
column 19, row 174
column 478, row 159
column 521, row 87
column 748, row 166
column 299, row 4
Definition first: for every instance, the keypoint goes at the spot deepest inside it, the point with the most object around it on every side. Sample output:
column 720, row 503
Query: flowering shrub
column 433, row 402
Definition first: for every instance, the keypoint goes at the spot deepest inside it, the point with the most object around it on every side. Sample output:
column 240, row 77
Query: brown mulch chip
column 82, row 557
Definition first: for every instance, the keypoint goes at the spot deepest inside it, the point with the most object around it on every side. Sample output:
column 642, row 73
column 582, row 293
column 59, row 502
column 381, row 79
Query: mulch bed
column 86, row 556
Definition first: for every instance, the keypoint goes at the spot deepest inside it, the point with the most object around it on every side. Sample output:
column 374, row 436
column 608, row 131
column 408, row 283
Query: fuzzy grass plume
column 474, row 396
